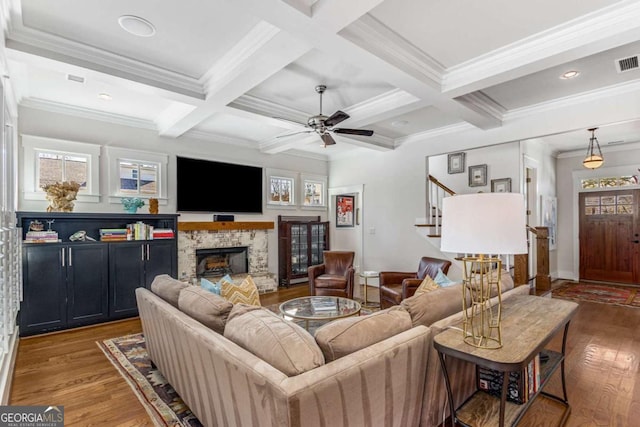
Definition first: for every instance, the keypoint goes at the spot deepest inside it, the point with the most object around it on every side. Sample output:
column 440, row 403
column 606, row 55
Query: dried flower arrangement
column 61, row 195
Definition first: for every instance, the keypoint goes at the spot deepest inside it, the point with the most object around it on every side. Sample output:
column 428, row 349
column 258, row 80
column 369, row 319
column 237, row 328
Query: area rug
column 597, row 292
column 129, row 355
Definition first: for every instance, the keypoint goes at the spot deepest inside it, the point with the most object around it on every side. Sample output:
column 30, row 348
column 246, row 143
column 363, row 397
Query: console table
column 528, row 325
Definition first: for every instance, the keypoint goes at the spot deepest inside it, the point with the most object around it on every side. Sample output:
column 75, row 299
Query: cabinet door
column 126, row 273
column 44, row 290
column 299, row 250
column 160, row 259
column 87, row 283
column 319, row 242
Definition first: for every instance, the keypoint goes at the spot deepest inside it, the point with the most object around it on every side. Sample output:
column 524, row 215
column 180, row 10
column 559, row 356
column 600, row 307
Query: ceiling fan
column 324, row 126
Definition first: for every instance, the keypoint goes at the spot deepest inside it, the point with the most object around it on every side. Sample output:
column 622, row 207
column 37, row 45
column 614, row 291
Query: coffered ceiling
column 244, row 72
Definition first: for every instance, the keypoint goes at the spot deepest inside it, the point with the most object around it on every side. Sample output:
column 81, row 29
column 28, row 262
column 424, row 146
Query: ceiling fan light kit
column 594, row 158
column 323, row 125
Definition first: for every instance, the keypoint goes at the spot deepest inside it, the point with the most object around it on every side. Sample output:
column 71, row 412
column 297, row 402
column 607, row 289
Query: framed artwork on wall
column 344, row 211
column 477, row 175
column 550, row 218
column 455, row 163
column 502, row 185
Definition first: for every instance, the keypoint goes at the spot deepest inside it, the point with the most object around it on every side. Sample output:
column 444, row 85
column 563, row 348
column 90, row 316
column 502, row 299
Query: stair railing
column 437, row 192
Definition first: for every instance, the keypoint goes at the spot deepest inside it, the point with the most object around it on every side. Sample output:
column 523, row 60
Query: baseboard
column 6, row 369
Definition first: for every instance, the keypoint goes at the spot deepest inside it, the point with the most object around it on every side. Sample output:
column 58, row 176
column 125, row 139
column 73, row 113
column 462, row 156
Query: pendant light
column 594, row 157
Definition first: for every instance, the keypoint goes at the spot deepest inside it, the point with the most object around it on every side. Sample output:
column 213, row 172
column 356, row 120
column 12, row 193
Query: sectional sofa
column 240, row 365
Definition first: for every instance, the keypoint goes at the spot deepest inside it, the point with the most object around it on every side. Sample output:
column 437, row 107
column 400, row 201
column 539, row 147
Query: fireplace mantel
column 225, row 225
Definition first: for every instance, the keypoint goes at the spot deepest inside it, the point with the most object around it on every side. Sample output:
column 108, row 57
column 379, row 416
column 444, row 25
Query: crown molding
column 483, row 104
column 380, row 104
column 434, row 133
column 375, row 37
column 591, row 29
column 266, row 108
column 86, row 113
column 223, row 139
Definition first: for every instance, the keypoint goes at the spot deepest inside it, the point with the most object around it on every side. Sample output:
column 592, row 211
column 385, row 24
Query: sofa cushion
column 433, row 306
column 427, row 285
column 345, row 336
column 206, row 307
column 282, row 344
column 167, row 288
column 244, row 293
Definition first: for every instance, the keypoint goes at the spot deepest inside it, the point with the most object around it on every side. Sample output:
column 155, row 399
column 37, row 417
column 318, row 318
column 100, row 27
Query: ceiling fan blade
column 336, row 118
column 295, row 133
column 363, row 132
column 327, row 139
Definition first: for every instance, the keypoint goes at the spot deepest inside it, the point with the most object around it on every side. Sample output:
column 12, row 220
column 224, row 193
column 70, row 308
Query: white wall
column 60, row 126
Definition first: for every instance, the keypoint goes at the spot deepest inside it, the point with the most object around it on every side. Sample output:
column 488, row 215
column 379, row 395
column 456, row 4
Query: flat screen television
column 208, row 186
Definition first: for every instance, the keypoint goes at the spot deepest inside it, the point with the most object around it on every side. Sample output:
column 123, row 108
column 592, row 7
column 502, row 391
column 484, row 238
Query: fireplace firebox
column 214, row 262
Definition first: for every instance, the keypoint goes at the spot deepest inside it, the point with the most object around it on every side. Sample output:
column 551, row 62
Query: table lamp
column 483, row 224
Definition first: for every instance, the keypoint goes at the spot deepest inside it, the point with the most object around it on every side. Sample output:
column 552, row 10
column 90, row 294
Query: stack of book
column 522, row 385
column 163, row 233
column 41, row 237
column 140, row 231
column 113, row 234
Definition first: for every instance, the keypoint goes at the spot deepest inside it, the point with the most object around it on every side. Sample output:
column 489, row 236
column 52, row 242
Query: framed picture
column 502, row 185
column 550, row 218
column 344, row 211
column 477, row 175
column 455, row 163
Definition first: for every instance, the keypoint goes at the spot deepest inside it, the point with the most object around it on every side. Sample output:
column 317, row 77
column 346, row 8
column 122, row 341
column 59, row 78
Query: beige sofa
column 395, row 381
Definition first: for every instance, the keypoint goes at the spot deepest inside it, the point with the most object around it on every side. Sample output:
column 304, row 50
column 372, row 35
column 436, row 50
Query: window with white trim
column 314, row 191
column 48, row 160
column 136, row 173
column 281, row 187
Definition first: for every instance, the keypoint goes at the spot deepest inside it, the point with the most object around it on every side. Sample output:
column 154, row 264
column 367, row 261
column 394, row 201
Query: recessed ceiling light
column 105, row 96
column 399, row 123
column 137, row 26
column 570, row 74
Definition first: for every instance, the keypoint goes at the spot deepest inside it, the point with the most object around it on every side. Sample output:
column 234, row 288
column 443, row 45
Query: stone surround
column 255, row 240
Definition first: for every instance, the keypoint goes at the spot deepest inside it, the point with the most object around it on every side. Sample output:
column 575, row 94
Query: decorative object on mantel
column 153, row 206
column 594, row 157
column 483, row 224
column 131, row 204
column 61, row 195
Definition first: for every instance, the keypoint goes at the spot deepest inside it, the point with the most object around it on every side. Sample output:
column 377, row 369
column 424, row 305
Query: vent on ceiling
column 627, row 64
column 74, row 78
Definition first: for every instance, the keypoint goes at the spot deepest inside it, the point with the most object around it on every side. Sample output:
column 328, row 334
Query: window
column 137, row 173
column 48, row 160
column 314, row 191
column 609, row 182
column 280, row 188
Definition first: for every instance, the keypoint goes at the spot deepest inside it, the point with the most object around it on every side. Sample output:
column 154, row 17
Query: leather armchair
column 396, row 286
column 335, row 276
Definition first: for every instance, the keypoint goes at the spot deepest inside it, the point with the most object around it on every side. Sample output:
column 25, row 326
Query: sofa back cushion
column 345, row 336
column 281, row 343
column 167, row 288
column 432, row 306
column 206, row 307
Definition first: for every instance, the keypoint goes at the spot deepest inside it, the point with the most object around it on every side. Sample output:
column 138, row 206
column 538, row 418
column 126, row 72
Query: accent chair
column 335, row 276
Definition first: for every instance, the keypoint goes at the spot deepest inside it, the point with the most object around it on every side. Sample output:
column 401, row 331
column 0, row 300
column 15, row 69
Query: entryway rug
column 129, row 355
column 598, row 292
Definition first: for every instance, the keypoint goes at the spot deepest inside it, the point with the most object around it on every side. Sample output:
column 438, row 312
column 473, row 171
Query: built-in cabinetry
column 74, row 283
column 301, row 241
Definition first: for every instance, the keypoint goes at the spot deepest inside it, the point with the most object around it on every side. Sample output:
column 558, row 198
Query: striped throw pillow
column 245, row 293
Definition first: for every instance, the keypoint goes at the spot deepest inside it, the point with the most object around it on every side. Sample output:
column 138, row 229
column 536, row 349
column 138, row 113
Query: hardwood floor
column 68, row 368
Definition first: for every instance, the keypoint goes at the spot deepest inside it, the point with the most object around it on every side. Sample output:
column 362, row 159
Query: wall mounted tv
column 208, row 186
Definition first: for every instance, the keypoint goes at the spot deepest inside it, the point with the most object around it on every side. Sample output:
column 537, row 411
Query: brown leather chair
column 396, row 286
column 334, row 277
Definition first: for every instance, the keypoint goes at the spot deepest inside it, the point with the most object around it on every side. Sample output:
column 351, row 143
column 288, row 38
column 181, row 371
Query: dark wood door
column 610, row 236
column 87, row 283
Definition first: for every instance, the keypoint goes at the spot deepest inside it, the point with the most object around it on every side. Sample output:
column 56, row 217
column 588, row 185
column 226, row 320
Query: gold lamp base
column 481, row 322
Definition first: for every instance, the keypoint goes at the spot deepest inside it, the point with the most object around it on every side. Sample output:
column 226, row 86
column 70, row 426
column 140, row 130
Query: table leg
column 503, row 397
column 365, row 291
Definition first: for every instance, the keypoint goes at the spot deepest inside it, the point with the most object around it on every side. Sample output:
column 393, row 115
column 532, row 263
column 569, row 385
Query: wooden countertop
column 225, row 225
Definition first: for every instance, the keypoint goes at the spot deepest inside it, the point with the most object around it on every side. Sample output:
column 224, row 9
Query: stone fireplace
column 201, row 242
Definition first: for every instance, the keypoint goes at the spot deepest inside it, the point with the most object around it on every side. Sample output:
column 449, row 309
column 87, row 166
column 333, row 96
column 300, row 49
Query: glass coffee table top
column 320, row 308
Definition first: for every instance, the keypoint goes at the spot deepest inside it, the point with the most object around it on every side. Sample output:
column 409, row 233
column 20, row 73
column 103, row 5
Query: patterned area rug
column 597, row 292
column 129, row 355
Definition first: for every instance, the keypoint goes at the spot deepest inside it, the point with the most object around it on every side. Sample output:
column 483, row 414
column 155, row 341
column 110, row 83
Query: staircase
column 437, row 191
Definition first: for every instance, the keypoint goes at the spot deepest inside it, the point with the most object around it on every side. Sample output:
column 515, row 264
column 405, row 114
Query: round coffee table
column 319, row 308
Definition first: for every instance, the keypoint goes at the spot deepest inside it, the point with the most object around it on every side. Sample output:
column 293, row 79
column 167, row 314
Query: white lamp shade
column 484, row 223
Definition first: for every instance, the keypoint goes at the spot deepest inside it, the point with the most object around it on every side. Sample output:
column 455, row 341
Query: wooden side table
column 368, row 275
column 528, row 324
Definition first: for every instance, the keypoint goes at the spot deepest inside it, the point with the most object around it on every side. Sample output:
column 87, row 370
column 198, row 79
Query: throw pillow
column 207, row 308
column 214, row 287
column 280, row 343
column 345, row 336
column 167, row 288
column 427, row 285
column 442, row 280
column 244, row 293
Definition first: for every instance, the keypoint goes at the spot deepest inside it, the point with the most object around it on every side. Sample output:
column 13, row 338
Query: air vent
column 627, row 64
column 73, row 78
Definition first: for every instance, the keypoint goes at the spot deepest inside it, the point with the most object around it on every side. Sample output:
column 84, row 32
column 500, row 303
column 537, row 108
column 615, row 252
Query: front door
column 610, row 236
